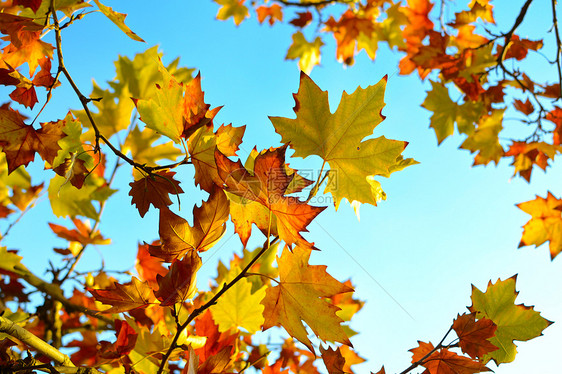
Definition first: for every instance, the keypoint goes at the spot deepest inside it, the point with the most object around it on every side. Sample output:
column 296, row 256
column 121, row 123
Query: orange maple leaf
column 125, row 297
column 333, row 360
column 273, row 12
column 267, row 185
column 83, row 234
column 473, row 335
column 301, row 296
column 546, row 224
column 149, row 266
column 20, row 141
column 526, row 155
column 178, row 237
column 154, row 189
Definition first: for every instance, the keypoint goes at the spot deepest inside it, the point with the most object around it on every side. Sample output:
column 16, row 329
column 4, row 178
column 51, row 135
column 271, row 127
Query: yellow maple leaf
column 301, row 296
column 546, row 224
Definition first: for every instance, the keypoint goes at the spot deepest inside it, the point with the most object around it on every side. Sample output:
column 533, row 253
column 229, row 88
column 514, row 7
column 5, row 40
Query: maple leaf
column 338, row 139
column 232, row 8
column 444, row 361
column 302, row 19
column 176, row 110
column 333, row 360
column 21, row 197
column 82, row 234
column 201, row 147
column 125, row 343
column 524, row 107
column 473, row 335
column 545, row 224
column 526, row 155
column 267, row 184
column 239, row 307
column 149, row 266
column 308, row 53
column 351, row 31
column 20, row 141
column 125, row 297
column 216, row 340
column 485, row 139
column 514, row 322
column 273, row 12
column 178, row 237
column 25, row 43
column 119, row 20
column 154, row 189
column 518, row 48
column 446, row 112
column 179, row 284
column 300, row 297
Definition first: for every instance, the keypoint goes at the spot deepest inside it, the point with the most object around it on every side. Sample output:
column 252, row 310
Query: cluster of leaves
column 161, row 321
column 476, row 73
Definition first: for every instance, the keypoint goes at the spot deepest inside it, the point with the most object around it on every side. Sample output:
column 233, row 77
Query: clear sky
column 413, row 258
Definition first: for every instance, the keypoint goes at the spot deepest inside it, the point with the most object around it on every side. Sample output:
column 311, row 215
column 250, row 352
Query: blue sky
column 413, row 258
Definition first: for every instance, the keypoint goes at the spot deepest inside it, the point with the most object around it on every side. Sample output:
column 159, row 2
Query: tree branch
column 33, row 341
column 557, row 61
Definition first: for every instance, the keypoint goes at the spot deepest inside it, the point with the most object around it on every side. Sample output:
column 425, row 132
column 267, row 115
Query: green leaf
column 338, row 139
column 515, row 322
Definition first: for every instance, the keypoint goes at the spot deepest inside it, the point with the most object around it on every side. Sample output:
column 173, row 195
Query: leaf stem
column 421, row 361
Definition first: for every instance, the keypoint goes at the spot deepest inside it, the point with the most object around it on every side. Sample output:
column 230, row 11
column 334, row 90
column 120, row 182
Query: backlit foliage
column 154, row 120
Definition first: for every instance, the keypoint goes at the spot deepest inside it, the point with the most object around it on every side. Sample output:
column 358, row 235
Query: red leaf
column 179, row 284
column 302, row 19
column 154, row 189
column 473, row 335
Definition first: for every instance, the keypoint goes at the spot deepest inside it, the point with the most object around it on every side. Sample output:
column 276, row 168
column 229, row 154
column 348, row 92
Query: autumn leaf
column 125, row 343
column 20, row 141
column 178, row 237
column 125, row 297
column 154, row 189
column 485, row 139
column 118, row 19
column 545, row 224
column 300, row 297
column 443, row 361
column 25, row 45
column 149, row 266
column 333, row 360
column 514, row 322
column 338, row 139
column 273, row 12
column 473, row 335
column 526, row 155
column 176, row 110
column 179, row 284
column 83, row 234
column 147, row 148
column 201, row 147
column 216, row 340
column 302, row 19
column 307, row 53
column 267, row 184
column 232, row 8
